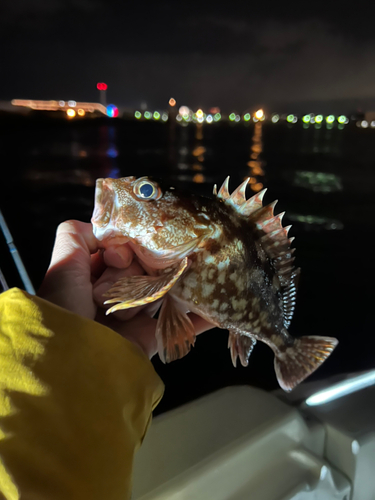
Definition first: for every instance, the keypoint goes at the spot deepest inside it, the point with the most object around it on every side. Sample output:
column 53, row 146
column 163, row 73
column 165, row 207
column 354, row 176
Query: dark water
column 323, row 178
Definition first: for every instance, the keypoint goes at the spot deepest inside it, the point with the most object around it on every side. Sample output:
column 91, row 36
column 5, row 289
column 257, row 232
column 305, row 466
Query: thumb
column 67, row 282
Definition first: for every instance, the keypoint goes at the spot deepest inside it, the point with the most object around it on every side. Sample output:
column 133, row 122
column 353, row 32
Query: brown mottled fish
column 227, row 259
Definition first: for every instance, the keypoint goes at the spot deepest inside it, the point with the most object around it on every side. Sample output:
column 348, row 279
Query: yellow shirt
column 75, row 403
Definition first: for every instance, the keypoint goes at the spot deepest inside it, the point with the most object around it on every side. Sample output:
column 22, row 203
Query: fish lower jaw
column 153, row 260
column 108, row 236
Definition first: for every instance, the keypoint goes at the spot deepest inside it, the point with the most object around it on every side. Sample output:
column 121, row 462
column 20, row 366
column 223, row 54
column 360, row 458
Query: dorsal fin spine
column 238, row 196
column 224, row 190
column 253, row 204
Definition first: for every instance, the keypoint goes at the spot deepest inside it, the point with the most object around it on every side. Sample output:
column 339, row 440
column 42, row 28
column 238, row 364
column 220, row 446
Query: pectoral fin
column 240, row 346
column 175, row 333
column 135, row 291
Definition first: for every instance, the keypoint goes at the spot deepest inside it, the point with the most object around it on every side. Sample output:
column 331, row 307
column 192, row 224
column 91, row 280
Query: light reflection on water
column 188, row 148
column 318, row 181
column 256, row 164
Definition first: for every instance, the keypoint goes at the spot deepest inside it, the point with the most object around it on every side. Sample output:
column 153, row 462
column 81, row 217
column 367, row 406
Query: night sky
column 235, row 55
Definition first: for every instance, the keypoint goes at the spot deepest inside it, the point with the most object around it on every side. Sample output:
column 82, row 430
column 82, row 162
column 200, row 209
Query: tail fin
column 301, row 359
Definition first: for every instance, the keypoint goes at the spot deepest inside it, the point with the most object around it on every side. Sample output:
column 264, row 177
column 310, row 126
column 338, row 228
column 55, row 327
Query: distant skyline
column 236, row 56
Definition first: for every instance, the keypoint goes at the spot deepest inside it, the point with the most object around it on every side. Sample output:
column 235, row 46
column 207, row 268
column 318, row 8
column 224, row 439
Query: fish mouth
column 104, row 215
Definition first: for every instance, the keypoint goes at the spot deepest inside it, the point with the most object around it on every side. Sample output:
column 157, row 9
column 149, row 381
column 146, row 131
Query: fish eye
column 147, row 190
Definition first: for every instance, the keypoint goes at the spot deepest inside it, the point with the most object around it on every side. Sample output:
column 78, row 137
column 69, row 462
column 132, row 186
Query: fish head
column 161, row 224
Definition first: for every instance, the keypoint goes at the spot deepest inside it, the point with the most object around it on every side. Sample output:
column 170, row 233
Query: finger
column 97, row 265
column 127, row 314
column 110, row 276
column 67, row 282
column 73, row 245
column 120, row 256
column 152, row 308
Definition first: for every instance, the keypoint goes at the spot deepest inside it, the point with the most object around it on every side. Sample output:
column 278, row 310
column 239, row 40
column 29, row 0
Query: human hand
column 80, row 272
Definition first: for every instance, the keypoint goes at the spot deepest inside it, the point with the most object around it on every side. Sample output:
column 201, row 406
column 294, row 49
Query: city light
column 88, row 107
column 185, row 114
column 112, row 111
column 184, row 111
column 101, row 86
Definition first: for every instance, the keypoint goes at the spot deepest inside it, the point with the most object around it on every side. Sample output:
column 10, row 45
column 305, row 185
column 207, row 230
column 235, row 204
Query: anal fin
column 135, row 291
column 175, row 333
column 240, row 346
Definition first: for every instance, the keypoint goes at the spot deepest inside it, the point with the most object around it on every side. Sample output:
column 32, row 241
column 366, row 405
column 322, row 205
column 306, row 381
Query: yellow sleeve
column 75, row 403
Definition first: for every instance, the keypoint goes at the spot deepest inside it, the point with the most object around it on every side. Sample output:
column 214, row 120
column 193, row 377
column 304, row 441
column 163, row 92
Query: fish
column 227, row 259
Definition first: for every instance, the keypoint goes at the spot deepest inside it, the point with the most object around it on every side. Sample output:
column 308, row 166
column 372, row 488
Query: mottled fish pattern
column 226, row 258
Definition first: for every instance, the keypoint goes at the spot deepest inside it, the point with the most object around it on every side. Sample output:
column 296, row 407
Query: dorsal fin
column 273, row 237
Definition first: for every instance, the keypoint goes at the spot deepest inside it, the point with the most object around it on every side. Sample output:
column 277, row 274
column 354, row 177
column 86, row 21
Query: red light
column 101, row 86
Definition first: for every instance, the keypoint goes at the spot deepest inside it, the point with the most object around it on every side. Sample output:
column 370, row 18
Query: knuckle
column 69, row 226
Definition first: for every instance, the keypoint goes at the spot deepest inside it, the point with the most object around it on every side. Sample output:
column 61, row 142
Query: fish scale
column 227, row 259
